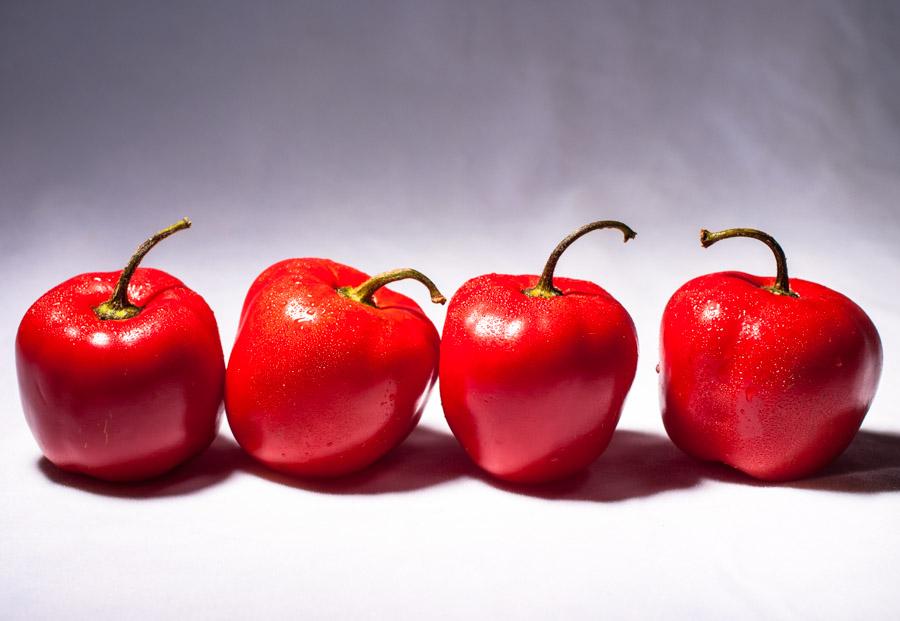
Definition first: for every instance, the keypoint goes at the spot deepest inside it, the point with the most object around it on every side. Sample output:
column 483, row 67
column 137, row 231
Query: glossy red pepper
column 534, row 371
column 329, row 370
column 121, row 373
column 770, row 376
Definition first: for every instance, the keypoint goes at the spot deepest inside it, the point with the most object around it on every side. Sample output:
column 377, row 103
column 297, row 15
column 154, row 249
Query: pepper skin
column 770, row 376
column 121, row 374
column 533, row 376
column 329, row 371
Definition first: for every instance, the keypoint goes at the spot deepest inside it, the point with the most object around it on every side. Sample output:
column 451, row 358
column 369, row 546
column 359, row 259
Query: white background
column 459, row 138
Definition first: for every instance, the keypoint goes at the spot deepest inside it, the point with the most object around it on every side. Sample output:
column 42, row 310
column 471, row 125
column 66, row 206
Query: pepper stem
column 782, row 284
column 118, row 306
column 365, row 292
column 544, row 287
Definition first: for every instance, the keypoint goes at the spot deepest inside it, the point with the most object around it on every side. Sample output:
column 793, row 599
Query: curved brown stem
column 782, row 284
column 118, row 306
column 365, row 292
column 544, row 287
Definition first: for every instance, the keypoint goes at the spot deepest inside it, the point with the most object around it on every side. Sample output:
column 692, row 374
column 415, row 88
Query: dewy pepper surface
column 329, row 370
column 535, row 370
column 121, row 373
column 772, row 376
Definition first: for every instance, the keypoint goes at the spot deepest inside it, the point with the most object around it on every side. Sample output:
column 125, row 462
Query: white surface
column 458, row 140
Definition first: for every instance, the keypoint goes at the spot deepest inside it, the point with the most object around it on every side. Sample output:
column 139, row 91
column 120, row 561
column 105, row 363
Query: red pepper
column 534, row 371
column 121, row 373
column 329, row 371
column 770, row 376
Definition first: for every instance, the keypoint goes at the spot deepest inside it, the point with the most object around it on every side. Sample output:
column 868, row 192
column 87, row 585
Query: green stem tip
column 782, row 284
column 544, row 287
column 364, row 293
column 118, row 306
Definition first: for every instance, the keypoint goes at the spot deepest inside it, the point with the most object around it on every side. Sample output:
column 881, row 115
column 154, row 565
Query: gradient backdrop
column 458, row 138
